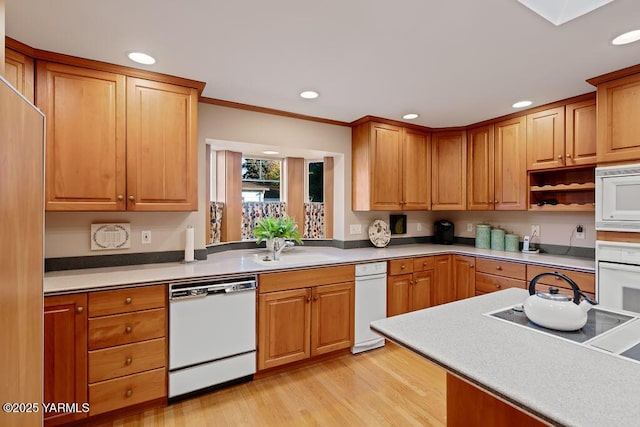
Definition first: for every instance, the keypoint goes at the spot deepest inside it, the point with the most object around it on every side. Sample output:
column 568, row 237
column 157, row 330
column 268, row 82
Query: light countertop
column 557, row 380
column 248, row 262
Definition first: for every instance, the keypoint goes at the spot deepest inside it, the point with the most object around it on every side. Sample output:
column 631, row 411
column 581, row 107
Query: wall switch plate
column 469, row 227
column 145, row 237
column 355, row 229
column 580, row 234
column 419, row 226
column 535, row 231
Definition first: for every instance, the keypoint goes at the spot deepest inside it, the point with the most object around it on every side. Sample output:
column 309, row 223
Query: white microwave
column 618, row 198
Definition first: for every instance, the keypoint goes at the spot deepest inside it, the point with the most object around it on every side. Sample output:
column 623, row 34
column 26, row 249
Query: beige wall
column 68, row 234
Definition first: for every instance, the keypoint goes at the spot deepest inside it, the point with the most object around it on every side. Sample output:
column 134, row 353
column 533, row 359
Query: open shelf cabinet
column 562, row 189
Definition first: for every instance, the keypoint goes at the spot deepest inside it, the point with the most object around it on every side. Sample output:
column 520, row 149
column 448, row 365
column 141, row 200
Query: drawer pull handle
column 498, row 268
column 402, row 267
column 308, row 299
column 315, row 298
column 497, row 286
column 424, row 264
column 128, row 329
column 129, row 392
column 128, row 361
column 128, row 300
column 79, row 309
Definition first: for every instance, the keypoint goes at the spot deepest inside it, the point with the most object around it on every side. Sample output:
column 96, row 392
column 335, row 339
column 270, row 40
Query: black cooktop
column 598, row 322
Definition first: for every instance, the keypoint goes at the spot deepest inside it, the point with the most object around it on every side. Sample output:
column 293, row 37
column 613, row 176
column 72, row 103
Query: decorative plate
column 379, row 233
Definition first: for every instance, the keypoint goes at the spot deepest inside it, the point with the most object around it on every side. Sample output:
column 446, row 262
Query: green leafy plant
column 271, row 228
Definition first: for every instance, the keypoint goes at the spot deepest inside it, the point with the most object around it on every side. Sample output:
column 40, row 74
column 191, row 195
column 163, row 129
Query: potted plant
column 270, row 228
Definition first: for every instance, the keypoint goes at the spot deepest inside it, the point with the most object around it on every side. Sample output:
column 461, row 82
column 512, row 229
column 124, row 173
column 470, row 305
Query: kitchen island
column 553, row 380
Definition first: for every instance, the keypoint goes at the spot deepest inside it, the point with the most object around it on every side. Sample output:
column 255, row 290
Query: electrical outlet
column 355, row 229
column 145, row 237
column 419, row 226
column 469, row 227
column 535, row 230
column 580, row 233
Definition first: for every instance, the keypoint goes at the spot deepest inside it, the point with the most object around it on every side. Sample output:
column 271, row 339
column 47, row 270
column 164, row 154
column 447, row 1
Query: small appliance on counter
column 443, row 232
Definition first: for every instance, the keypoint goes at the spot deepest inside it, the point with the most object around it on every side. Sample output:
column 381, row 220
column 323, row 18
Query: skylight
column 560, row 11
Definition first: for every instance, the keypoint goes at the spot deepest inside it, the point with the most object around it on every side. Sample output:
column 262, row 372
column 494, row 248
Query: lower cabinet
column 65, row 355
column 494, row 275
column 585, row 281
column 297, row 320
column 444, row 289
column 409, row 285
column 464, row 276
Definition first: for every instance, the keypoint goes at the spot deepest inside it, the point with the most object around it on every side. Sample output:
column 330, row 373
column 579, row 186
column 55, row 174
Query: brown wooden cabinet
column 409, row 285
column 65, row 355
column 297, row 320
column 494, row 275
column 19, row 71
column 391, row 167
column 545, row 139
column 618, row 137
column 127, row 345
column 117, row 143
column 580, row 135
column 480, row 169
column 449, row 170
column 464, row 276
column 585, row 281
column 444, row 289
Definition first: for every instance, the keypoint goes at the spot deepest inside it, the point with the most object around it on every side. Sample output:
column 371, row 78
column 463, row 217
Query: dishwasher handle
column 212, row 289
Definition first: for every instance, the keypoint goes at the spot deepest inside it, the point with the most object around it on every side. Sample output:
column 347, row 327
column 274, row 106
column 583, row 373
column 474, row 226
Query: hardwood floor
column 383, row 387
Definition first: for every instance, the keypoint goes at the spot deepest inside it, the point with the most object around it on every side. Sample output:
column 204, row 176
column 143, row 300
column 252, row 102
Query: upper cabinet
column 390, row 168
column 480, row 169
column 545, row 139
column 618, row 136
column 19, row 71
column 449, row 170
column 580, row 135
column 117, row 143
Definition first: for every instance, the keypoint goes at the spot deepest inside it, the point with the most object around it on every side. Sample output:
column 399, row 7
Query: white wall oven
column 618, row 198
column 618, row 272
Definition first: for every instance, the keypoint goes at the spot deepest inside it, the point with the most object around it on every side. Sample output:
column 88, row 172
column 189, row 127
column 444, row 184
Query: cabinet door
column 65, row 354
column 332, row 317
column 480, row 169
column 284, row 327
column 581, row 133
column 416, row 168
column 85, row 147
column 443, row 287
column 161, row 146
column 19, row 71
column 510, row 166
column 618, row 130
column 398, row 294
column 448, row 171
column 420, row 289
column 545, row 139
column 386, row 169
column 464, row 276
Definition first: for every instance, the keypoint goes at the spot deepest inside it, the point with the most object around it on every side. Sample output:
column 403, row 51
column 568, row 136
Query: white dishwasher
column 371, row 304
column 212, row 333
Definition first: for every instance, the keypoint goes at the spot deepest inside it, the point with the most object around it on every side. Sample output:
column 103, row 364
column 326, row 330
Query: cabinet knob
column 559, row 156
column 498, row 267
column 308, row 299
column 128, row 361
column 424, row 264
column 127, row 300
column 79, row 309
column 568, row 156
column 120, row 197
column 497, row 286
column 471, row 266
column 402, row 267
column 495, row 201
column 129, row 392
column 315, row 298
column 132, row 198
column 128, row 329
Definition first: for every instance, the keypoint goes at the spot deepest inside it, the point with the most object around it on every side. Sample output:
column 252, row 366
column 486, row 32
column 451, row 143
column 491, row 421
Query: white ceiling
column 454, row 62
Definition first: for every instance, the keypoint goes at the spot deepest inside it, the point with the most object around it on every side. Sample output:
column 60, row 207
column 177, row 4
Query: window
column 260, row 180
column 315, row 181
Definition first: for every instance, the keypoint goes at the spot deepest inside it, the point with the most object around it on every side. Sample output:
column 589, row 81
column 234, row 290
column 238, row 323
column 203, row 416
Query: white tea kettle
column 555, row 310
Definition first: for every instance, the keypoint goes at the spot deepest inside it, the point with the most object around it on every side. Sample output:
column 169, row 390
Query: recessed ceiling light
column 626, row 38
column 142, row 58
column 522, row 104
column 410, row 116
column 270, row 152
column 309, row 94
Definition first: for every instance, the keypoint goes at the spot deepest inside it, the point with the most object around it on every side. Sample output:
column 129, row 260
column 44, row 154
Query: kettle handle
column 576, row 290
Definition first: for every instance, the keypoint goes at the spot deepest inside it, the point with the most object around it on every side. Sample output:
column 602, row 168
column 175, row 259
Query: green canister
column 483, row 236
column 511, row 243
column 497, row 239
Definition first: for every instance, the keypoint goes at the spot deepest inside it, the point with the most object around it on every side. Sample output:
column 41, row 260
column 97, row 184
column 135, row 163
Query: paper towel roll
column 188, row 246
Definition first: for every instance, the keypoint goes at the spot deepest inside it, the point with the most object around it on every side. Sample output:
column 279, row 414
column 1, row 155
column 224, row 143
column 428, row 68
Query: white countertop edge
column 239, row 262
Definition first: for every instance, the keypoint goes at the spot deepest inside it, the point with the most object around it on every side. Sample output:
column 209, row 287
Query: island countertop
column 561, row 382
column 247, row 261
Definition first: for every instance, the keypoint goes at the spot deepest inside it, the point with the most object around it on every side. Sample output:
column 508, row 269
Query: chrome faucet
column 277, row 248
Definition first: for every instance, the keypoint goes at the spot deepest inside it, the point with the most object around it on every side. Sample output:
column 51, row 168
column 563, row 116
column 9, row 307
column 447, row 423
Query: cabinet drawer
column 108, row 395
column 585, row 281
column 126, row 359
column 120, row 329
column 400, row 266
column 491, row 283
column 126, row 300
column 423, row 263
column 502, row 268
column 285, row 280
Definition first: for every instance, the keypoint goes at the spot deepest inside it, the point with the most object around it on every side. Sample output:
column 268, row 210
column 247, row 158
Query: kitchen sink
column 287, row 259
